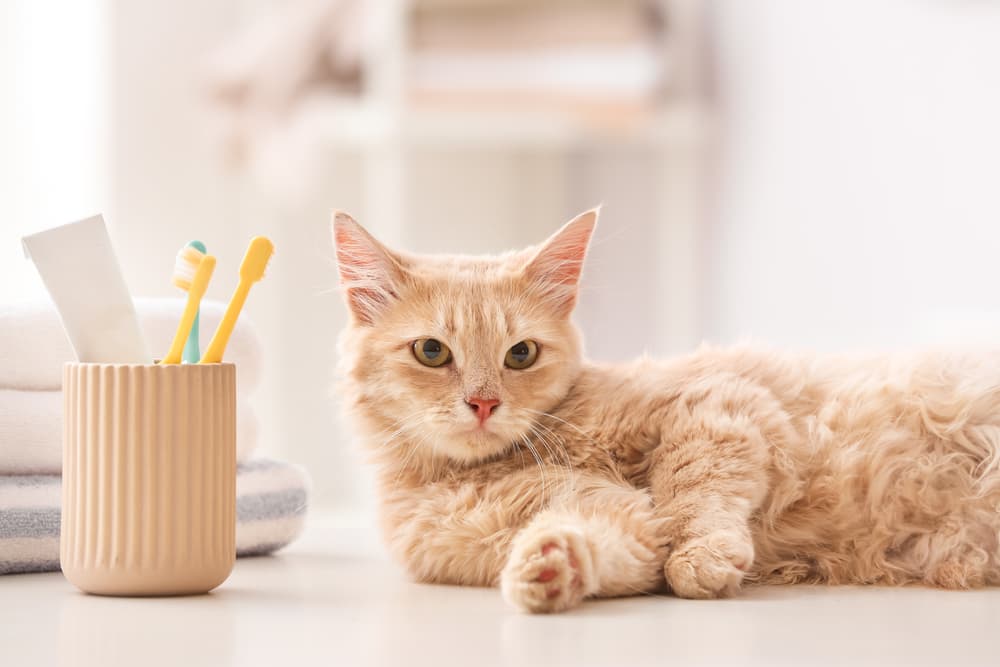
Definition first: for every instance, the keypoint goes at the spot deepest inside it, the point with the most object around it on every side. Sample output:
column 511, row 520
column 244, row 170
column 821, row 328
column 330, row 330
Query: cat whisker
column 560, row 419
column 396, row 422
column 396, row 436
column 558, row 445
column 556, row 440
column 520, row 452
column 402, row 425
column 547, row 450
column 549, row 436
column 549, row 441
column 541, row 465
column 413, row 450
column 324, row 291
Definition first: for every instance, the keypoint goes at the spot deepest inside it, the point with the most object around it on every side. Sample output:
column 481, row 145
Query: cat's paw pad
column 547, row 571
column 711, row 566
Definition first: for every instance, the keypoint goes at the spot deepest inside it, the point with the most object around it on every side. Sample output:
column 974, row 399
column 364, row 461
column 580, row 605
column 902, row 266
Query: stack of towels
column 271, row 495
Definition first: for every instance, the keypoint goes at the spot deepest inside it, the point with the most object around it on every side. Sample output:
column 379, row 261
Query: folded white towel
column 34, row 346
column 271, row 500
column 31, row 431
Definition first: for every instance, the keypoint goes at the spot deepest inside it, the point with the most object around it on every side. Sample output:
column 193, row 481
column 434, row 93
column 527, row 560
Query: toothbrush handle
column 183, row 329
column 217, row 346
column 192, row 348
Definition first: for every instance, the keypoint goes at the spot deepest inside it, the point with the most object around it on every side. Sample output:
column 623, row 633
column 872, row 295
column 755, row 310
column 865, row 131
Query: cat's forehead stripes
column 482, row 315
column 469, row 293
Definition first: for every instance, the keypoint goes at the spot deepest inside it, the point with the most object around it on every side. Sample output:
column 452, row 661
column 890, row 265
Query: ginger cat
column 506, row 458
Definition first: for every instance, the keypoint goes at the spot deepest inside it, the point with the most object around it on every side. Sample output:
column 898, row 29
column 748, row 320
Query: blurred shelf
column 362, row 125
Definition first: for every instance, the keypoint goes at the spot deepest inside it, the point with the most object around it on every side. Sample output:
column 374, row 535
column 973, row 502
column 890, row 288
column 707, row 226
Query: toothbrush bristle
column 185, row 267
column 256, row 259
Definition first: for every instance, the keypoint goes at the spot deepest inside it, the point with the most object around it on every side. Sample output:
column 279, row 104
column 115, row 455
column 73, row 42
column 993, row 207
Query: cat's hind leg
column 603, row 541
column 961, row 553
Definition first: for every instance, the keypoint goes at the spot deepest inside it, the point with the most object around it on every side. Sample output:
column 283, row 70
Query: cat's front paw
column 711, row 566
column 548, row 570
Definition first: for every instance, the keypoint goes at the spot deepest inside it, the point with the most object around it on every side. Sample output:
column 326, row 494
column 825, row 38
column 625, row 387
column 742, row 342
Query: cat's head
column 461, row 354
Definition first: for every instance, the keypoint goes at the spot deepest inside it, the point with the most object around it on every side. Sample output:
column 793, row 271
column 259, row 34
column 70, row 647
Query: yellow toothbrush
column 198, row 286
column 251, row 270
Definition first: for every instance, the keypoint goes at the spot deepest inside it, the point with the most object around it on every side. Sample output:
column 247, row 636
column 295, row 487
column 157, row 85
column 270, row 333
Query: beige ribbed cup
column 149, row 477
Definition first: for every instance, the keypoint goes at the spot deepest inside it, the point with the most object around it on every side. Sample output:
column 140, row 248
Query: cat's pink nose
column 484, row 407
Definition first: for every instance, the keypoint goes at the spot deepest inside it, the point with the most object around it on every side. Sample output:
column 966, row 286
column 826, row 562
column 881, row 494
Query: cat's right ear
column 369, row 273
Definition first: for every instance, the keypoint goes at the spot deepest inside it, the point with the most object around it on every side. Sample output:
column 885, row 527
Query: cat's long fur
column 698, row 472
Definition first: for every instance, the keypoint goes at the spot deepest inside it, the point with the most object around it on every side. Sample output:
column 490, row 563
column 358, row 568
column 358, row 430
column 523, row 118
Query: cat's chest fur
column 615, row 417
column 610, row 422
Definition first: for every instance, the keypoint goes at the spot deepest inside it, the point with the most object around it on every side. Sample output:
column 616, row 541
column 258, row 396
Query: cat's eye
column 521, row 355
column 431, row 352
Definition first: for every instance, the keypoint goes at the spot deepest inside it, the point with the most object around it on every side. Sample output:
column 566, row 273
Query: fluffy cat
column 507, row 459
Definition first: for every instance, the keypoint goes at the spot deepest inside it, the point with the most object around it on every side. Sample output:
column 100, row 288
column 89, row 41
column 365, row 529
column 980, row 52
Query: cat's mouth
column 481, row 429
column 487, row 433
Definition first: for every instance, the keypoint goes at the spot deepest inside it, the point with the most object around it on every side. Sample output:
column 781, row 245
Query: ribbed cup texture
column 149, row 477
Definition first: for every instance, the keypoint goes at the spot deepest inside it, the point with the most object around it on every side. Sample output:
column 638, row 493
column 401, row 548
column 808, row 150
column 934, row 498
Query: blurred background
column 800, row 172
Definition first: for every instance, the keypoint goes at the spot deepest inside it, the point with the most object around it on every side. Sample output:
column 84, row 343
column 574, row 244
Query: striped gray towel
column 271, row 499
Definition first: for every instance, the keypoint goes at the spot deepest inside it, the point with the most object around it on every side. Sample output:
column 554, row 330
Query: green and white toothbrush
column 188, row 260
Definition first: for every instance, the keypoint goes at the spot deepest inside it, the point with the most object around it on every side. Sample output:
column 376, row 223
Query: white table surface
column 333, row 599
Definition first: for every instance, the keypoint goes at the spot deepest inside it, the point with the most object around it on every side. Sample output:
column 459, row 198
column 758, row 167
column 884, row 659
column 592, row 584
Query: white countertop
column 332, row 599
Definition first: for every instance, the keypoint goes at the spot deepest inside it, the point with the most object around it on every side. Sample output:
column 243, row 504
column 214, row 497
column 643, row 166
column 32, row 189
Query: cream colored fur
column 694, row 474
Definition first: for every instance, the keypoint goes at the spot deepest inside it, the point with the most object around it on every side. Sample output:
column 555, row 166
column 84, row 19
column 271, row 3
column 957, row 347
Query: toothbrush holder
column 149, row 477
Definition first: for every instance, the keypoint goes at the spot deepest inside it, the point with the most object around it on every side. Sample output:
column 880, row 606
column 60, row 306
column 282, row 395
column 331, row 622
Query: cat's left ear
column 556, row 267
